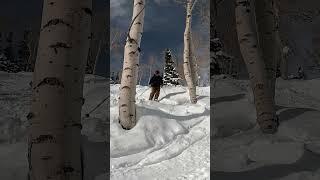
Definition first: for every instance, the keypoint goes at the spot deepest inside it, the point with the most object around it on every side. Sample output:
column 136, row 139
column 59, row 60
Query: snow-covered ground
column 241, row 151
column 170, row 141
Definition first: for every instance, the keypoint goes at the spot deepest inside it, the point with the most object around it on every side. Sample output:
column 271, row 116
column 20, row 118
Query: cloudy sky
column 163, row 28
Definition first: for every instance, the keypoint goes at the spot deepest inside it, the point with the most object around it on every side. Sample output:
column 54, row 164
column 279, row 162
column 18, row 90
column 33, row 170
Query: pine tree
column 171, row 76
column 8, row 51
column 23, row 50
column 1, row 49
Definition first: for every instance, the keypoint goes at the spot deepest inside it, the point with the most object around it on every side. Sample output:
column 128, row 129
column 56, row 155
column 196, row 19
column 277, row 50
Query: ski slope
column 241, row 151
column 170, row 141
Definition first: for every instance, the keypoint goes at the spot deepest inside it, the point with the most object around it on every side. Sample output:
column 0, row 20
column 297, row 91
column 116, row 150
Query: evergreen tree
column 171, row 76
column 1, row 50
column 23, row 50
column 8, row 51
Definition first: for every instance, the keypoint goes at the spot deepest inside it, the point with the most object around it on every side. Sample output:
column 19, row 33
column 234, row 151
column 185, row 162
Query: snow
column 168, row 134
column 170, row 141
column 241, row 151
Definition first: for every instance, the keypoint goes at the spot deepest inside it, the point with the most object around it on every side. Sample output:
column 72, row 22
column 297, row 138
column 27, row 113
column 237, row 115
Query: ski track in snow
column 170, row 141
column 241, row 151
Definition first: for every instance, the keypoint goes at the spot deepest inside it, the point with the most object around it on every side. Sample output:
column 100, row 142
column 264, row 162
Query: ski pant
column 155, row 92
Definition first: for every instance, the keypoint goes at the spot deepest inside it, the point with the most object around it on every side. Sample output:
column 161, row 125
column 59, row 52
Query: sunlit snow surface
column 170, row 141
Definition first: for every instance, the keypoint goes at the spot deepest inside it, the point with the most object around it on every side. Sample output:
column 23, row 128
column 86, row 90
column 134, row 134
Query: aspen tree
column 54, row 150
column 127, row 107
column 249, row 47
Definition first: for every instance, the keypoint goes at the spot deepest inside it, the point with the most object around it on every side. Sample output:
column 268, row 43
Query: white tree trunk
column 188, row 64
column 266, row 26
column 249, row 48
column 127, row 109
column 55, row 119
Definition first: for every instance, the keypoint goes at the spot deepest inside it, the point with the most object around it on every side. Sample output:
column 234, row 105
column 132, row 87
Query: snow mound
column 241, row 150
column 164, row 132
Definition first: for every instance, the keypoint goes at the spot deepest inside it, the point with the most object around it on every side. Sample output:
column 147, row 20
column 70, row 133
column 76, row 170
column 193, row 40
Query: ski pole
column 164, row 92
column 143, row 92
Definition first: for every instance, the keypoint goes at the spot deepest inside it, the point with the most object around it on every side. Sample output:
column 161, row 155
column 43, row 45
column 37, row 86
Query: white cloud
column 119, row 8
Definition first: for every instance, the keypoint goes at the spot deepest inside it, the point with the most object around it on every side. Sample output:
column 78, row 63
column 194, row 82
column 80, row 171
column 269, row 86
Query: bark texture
column 249, row 47
column 127, row 108
column 267, row 30
column 189, row 65
column 55, row 119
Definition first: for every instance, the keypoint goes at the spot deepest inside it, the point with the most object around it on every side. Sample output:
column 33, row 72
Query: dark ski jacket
column 156, row 81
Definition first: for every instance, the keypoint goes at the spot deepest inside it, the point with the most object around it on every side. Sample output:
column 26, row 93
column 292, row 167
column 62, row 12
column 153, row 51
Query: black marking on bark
column 54, row 22
column 125, row 87
column 50, row 62
column 139, row 49
column 76, row 69
column 51, row 81
column 131, row 40
column 244, row 3
column 249, row 161
column 129, row 76
column 51, row 3
column 59, row 45
column 83, row 100
column 78, row 125
column 43, row 139
column 139, row 3
column 29, row 158
column 259, row 86
column 67, row 65
column 45, row 105
column 265, row 114
column 127, row 68
column 30, row 115
column 244, row 40
column 137, row 23
column 124, row 105
column 68, row 169
column 46, row 157
column 251, row 62
column 268, row 33
column 254, row 46
column 132, row 52
column 91, row 36
column 87, row 11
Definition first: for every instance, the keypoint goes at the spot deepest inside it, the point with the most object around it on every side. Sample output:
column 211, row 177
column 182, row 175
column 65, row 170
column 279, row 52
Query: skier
column 155, row 82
